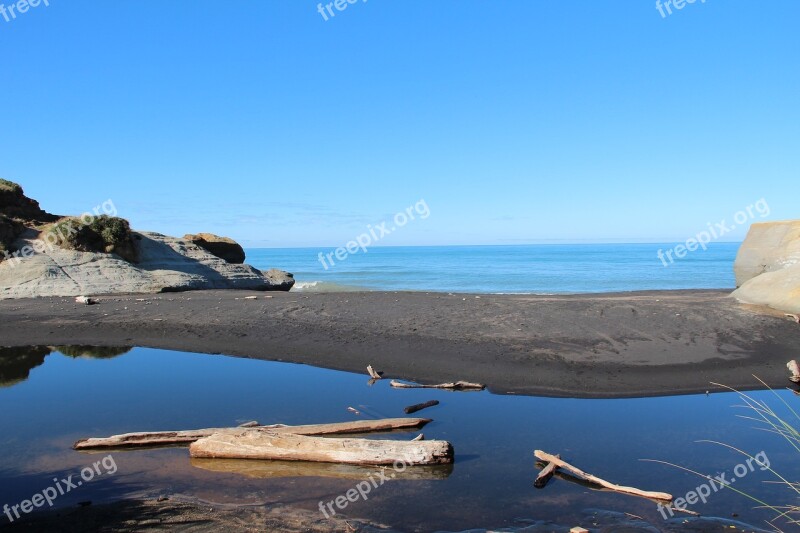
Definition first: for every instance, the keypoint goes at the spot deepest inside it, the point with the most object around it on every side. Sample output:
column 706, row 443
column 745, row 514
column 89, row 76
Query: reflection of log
column 420, row 406
column 279, row 469
column 176, row 438
column 268, row 444
column 458, row 385
column 544, row 456
column 545, row 475
column 794, row 368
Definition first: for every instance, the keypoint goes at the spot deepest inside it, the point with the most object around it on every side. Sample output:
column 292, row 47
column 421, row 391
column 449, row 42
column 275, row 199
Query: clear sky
column 515, row 120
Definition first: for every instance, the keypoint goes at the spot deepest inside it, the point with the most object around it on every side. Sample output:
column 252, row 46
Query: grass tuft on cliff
column 10, row 186
column 104, row 234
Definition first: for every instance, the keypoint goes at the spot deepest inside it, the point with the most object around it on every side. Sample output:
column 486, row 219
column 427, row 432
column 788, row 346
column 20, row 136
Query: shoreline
column 596, row 345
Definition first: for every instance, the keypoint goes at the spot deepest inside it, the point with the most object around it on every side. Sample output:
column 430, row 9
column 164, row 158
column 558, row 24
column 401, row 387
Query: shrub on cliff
column 104, row 234
column 10, row 186
column 9, row 231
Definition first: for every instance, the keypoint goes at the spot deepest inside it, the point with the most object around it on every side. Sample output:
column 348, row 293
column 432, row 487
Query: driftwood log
column 374, row 375
column 281, row 469
column 420, row 406
column 268, row 444
column 794, row 368
column 177, row 438
column 458, row 385
column 554, row 459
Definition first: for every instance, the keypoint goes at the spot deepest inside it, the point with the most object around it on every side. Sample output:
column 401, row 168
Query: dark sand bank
column 590, row 345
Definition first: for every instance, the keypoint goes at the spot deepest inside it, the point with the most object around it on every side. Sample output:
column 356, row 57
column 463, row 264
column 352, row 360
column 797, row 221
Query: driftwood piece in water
column 458, row 385
column 545, row 475
column 794, row 368
column 269, row 444
column 420, row 406
column 661, row 496
column 421, row 436
column 280, row 469
column 374, row 375
column 177, row 438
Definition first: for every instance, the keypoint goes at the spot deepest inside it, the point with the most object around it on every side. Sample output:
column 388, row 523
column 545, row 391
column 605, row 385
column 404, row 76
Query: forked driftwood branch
column 269, row 444
column 794, row 368
column 177, row 438
column 554, row 459
column 458, row 385
column 545, row 475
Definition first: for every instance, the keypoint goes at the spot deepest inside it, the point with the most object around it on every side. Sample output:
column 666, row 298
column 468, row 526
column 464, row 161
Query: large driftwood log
column 660, row 496
column 458, row 385
column 269, row 444
column 177, row 438
column 281, row 469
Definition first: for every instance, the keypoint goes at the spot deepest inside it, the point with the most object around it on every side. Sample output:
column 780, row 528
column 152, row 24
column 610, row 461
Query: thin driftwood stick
column 794, row 368
column 420, row 406
column 374, row 375
column 269, row 444
column 458, row 385
column 176, row 438
column 544, row 456
column 545, row 475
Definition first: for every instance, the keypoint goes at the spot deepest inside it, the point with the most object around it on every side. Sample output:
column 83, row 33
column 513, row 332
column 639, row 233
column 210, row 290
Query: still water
column 49, row 400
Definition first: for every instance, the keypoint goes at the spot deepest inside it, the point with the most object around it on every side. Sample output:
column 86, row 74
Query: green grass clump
column 10, row 186
column 102, row 234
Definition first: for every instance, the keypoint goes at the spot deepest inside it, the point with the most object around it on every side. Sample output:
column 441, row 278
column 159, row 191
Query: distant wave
column 325, row 286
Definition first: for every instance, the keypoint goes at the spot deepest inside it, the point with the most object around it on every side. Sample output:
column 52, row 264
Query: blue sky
column 516, row 121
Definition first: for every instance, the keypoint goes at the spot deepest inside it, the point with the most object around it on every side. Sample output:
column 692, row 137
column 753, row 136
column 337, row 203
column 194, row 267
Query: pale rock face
column 769, row 246
column 166, row 264
column 768, row 266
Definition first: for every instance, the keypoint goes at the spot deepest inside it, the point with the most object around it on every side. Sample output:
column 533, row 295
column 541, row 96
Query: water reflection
column 85, row 391
column 17, row 362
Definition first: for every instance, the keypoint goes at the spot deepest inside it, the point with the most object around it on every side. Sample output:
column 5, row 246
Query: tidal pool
column 53, row 396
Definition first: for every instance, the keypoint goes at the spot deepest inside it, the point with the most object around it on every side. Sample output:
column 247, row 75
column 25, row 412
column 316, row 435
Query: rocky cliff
column 47, row 255
column 767, row 266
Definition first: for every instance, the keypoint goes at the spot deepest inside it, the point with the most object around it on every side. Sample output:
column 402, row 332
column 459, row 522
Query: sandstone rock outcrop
column 102, row 255
column 223, row 247
column 768, row 266
column 282, row 280
column 166, row 264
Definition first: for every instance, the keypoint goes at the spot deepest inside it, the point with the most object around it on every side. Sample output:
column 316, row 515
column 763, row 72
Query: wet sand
column 589, row 345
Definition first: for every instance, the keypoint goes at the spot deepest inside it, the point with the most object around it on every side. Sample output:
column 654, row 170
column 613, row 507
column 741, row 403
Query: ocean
column 517, row 269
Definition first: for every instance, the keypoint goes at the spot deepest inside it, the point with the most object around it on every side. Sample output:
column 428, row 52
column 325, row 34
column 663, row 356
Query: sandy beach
column 592, row 345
